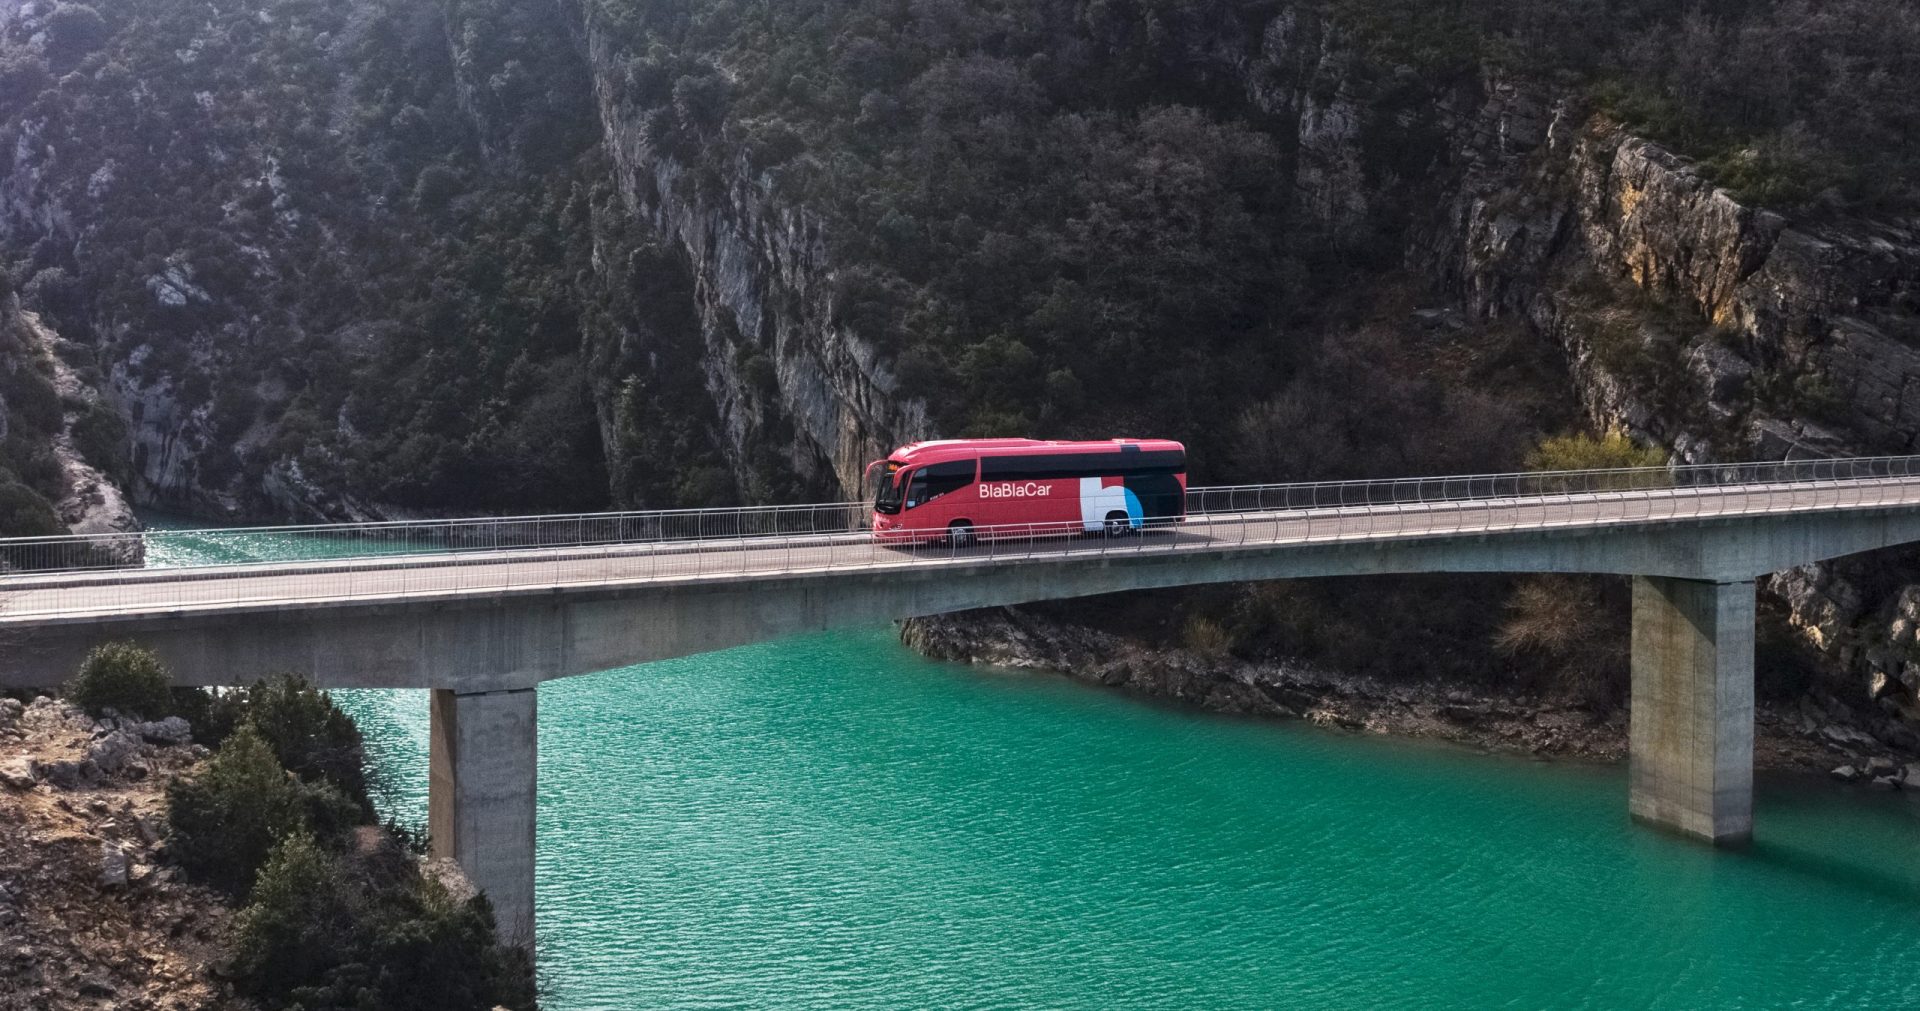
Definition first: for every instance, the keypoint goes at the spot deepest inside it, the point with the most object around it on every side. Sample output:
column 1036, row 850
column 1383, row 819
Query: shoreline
column 1803, row 739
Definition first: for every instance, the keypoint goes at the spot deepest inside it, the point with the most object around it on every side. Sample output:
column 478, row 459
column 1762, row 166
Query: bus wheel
column 1117, row 524
column 960, row 533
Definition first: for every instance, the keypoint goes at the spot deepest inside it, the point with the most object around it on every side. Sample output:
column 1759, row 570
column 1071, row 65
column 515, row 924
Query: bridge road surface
column 40, row 598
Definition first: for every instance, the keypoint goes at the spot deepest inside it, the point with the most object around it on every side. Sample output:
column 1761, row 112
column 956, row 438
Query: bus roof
column 939, row 450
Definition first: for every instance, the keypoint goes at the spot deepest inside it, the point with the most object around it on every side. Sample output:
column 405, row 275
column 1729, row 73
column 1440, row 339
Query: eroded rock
column 113, row 865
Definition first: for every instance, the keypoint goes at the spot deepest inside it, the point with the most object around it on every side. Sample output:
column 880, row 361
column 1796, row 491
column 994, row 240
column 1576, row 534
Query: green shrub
column 23, row 513
column 337, row 933
column 100, row 435
column 213, row 714
column 226, row 819
column 309, row 735
column 298, row 920
column 124, row 677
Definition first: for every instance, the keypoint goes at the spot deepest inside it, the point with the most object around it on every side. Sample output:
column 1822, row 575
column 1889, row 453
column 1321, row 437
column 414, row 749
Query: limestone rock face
column 763, row 284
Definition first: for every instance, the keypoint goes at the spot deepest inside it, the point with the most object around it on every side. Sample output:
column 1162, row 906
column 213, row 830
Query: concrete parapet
column 1691, row 730
column 482, row 797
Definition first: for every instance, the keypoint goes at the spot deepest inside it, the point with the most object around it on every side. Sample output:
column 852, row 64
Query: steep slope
column 380, row 259
column 62, row 444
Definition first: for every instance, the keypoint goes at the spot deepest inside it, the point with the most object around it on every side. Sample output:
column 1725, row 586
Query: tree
column 226, row 819
column 73, row 31
column 123, row 677
column 23, row 513
column 309, row 735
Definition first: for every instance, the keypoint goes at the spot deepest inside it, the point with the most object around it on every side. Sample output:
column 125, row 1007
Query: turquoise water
column 834, row 822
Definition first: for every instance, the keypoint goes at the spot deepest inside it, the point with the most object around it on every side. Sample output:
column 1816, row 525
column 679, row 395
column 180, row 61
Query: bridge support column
column 481, row 797
column 1691, row 730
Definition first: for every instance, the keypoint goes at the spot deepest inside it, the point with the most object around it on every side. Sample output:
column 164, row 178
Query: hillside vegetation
column 385, row 258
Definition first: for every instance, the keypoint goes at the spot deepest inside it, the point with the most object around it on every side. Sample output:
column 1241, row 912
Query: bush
column 213, row 714
column 1575, row 628
column 324, row 932
column 309, row 735
column 1207, row 638
column 124, row 677
column 101, row 436
column 1611, row 451
column 73, row 31
column 23, row 513
column 298, row 919
column 226, row 820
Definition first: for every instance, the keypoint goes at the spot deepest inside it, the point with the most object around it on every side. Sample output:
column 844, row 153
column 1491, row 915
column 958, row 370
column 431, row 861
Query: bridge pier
column 481, row 797
column 1691, row 729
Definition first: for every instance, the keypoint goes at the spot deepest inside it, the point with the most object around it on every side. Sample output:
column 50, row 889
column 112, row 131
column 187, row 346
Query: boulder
column 1845, row 773
column 11, row 710
column 1912, row 778
column 1901, row 736
column 114, row 752
column 1880, row 767
column 66, row 775
column 1845, row 737
column 1886, row 782
column 113, row 865
column 1878, row 684
column 17, row 773
column 172, row 730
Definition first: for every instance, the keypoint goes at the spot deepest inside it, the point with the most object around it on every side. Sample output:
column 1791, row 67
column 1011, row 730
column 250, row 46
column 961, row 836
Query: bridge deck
column 35, row 598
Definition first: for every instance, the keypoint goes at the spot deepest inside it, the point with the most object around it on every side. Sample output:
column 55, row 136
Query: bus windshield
column 887, row 498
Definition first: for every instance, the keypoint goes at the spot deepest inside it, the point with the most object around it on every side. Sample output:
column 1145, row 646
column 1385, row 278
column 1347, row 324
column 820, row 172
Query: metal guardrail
column 1528, row 484
column 382, row 559
column 228, row 546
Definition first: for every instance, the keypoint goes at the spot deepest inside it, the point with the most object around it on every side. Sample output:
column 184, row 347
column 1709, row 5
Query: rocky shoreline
column 91, row 915
column 1823, row 737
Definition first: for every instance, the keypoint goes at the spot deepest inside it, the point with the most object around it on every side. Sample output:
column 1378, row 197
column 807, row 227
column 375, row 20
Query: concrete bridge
column 479, row 612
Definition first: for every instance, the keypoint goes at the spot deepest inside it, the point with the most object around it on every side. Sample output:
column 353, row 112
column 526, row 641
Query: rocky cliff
column 63, row 439
column 785, row 373
column 382, row 259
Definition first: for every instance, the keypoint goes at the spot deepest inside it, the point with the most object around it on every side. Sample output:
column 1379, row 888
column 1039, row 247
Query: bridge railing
column 748, row 552
column 375, row 542
column 1533, row 484
column 328, row 541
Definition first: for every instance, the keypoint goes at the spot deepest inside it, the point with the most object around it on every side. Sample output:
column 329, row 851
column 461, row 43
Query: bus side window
column 934, row 480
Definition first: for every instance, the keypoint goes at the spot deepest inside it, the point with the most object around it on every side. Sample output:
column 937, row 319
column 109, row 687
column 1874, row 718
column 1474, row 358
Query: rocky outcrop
column 1777, row 337
column 764, row 287
column 1719, row 330
column 91, row 915
column 91, row 502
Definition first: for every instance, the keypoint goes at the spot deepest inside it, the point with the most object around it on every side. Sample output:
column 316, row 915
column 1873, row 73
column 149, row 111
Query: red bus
column 956, row 488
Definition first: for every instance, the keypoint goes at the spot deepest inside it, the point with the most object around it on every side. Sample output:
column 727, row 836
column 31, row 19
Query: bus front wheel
column 960, row 533
column 1117, row 524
